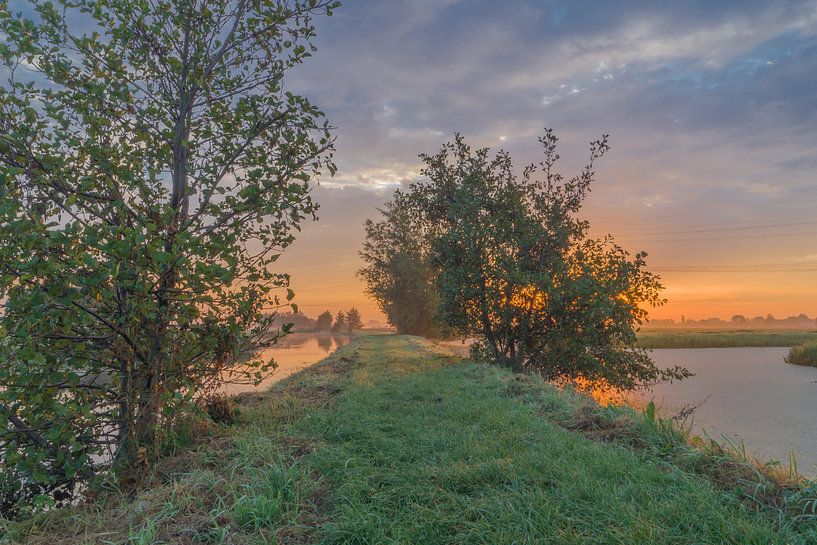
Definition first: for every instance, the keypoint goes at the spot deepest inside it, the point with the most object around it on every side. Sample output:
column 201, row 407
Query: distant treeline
column 342, row 322
column 801, row 321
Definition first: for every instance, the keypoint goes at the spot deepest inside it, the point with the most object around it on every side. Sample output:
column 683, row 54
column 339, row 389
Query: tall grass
column 804, row 354
column 668, row 338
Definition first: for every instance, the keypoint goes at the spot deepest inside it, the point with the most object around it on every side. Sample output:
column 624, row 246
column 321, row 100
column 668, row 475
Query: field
column 393, row 439
column 708, row 338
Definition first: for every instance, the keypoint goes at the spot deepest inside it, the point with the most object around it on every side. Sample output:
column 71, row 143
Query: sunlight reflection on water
column 293, row 353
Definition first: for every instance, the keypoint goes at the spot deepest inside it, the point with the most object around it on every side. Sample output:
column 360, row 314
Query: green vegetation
column 707, row 338
column 353, row 320
column 804, row 354
column 340, row 322
column 399, row 272
column 394, row 440
column 152, row 168
column 513, row 267
column 324, row 321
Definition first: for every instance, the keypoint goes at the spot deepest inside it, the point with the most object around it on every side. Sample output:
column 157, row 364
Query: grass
column 395, row 440
column 703, row 338
column 804, row 354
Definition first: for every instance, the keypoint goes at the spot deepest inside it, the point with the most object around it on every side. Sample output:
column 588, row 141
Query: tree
column 398, row 273
column 738, row 319
column 516, row 270
column 353, row 320
column 324, row 321
column 340, row 322
column 152, row 168
column 293, row 321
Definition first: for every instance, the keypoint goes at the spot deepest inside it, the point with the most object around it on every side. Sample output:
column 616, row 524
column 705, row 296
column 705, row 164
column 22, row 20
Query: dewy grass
column 804, row 354
column 395, row 440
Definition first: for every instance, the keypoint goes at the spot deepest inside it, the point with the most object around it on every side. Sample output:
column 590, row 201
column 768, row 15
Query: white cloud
column 386, row 112
column 375, row 178
column 411, row 134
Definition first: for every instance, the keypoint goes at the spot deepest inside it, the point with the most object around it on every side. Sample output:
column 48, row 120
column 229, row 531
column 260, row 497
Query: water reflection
column 293, row 353
column 325, row 342
column 749, row 395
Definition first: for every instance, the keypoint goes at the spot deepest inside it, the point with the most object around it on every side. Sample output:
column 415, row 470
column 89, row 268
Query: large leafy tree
column 398, row 273
column 515, row 269
column 152, row 167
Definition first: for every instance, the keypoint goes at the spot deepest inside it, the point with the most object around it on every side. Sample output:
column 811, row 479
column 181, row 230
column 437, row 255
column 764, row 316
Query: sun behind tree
column 511, row 266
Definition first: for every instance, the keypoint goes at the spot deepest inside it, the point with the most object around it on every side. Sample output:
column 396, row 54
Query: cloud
column 401, row 133
column 696, row 75
column 379, row 179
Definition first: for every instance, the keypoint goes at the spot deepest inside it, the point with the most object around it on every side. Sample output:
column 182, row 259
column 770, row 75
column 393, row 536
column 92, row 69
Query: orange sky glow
column 774, row 276
column 710, row 108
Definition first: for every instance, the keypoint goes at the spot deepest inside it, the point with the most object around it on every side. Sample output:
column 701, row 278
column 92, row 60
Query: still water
column 293, row 353
column 747, row 394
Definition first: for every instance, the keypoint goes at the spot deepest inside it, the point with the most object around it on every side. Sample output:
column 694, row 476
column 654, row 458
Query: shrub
column 511, row 264
column 804, row 354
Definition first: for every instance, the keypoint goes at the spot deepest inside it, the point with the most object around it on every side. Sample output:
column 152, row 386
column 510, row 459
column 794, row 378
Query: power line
column 713, row 230
column 707, row 239
column 803, row 266
column 730, row 209
column 785, row 264
column 657, row 269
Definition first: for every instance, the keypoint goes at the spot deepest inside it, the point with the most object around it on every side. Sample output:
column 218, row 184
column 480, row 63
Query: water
column 745, row 394
column 293, row 353
column 748, row 394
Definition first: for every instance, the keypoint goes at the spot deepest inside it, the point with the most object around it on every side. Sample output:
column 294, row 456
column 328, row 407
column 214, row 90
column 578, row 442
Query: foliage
column 804, row 354
column 294, row 321
column 152, row 168
column 353, row 320
column 515, row 268
column 398, row 272
column 324, row 321
column 340, row 322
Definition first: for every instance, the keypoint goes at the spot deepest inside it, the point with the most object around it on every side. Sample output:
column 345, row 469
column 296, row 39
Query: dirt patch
column 314, row 395
column 519, row 386
column 193, row 529
column 168, row 468
column 222, row 409
column 310, row 519
column 298, row 447
column 294, row 535
column 600, row 427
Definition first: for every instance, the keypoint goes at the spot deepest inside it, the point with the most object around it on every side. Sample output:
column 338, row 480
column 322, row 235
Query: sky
column 711, row 108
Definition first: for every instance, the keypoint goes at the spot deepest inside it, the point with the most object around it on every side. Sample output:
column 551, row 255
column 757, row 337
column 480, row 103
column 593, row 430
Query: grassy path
column 391, row 440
